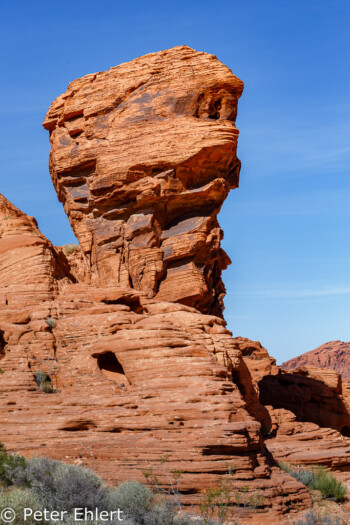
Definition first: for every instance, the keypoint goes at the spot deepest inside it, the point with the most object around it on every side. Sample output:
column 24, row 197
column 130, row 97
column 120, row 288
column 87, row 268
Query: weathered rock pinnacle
column 143, row 156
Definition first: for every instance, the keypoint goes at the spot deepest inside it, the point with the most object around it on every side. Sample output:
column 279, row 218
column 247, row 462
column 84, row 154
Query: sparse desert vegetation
column 70, row 248
column 41, row 483
column 318, row 478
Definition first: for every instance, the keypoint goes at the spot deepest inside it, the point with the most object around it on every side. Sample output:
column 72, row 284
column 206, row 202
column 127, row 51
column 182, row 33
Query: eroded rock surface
column 333, row 355
column 30, row 267
column 129, row 328
column 143, row 156
column 309, row 412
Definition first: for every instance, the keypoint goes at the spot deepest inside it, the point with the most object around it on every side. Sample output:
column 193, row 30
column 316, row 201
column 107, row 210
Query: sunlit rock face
column 30, row 267
column 142, row 157
column 334, row 355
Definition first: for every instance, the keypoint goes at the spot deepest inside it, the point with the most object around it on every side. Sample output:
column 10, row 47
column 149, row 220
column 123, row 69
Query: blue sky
column 287, row 227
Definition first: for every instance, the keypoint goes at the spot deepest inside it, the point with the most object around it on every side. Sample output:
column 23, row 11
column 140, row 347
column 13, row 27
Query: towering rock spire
column 143, row 156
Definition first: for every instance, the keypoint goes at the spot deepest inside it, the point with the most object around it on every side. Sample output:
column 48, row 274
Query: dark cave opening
column 111, row 368
column 109, row 362
column 3, row 343
column 345, row 431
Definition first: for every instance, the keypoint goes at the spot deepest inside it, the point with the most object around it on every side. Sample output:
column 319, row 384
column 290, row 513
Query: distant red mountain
column 335, row 355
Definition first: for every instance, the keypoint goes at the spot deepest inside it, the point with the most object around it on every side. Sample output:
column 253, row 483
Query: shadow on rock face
column 308, row 398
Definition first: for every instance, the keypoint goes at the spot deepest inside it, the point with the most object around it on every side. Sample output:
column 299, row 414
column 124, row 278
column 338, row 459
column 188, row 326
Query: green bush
column 227, row 503
column 133, row 498
column 46, row 387
column 305, row 476
column 12, row 468
column 51, row 323
column 284, row 466
column 43, row 381
column 70, row 248
column 64, row 487
column 41, row 483
column 329, row 486
column 318, row 478
column 19, row 499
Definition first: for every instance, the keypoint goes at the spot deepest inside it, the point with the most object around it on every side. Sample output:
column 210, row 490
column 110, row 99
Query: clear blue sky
column 287, row 227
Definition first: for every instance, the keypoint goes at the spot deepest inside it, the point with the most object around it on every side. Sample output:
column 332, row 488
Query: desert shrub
column 228, row 504
column 40, row 377
column 70, row 248
column 311, row 518
column 329, row 486
column 165, row 511
column 12, row 469
column 70, row 520
column 284, row 466
column 64, row 487
column 1, row 371
column 305, row 476
column 173, row 477
column 318, row 478
column 47, row 387
column 51, row 323
column 43, row 381
column 134, row 499
column 19, row 499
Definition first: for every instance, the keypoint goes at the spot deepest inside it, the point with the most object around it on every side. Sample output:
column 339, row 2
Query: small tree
column 173, row 477
column 224, row 504
column 228, row 504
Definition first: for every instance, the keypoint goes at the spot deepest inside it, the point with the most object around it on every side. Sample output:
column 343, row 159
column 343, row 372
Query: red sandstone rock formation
column 31, row 269
column 142, row 157
column 308, row 408
column 334, row 355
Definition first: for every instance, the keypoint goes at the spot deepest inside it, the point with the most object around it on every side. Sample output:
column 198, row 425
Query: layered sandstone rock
column 143, row 156
column 30, row 267
column 334, row 355
column 309, row 412
column 136, row 380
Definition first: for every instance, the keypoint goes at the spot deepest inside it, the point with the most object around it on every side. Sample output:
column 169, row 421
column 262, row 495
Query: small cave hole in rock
column 216, row 110
column 2, row 344
column 111, row 368
column 345, row 431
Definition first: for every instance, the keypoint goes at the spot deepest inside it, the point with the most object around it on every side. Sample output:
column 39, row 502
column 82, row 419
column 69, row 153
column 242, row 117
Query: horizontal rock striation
column 142, row 157
column 30, row 267
column 136, row 380
column 334, row 355
column 309, row 411
column 127, row 329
